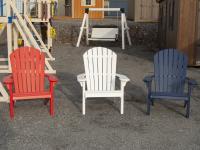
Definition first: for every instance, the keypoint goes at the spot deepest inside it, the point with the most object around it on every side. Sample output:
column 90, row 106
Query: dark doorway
column 68, row 8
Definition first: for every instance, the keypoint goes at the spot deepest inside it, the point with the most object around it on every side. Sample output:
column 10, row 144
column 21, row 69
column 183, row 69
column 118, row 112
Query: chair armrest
column 8, row 79
column 148, row 79
column 51, row 78
column 81, row 78
column 122, row 78
column 191, row 82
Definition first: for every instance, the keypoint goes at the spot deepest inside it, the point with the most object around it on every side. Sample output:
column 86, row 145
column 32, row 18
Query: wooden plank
column 165, row 70
column 95, row 67
column 4, row 97
column 104, row 68
column 100, row 68
column 170, row 79
column 91, row 69
column 86, row 65
column 23, row 60
column 41, row 71
column 18, row 70
column 14, row 71
column 37, row 73
column 33, row 78
column 28, row 69
column 113, row 72
column 109, row 69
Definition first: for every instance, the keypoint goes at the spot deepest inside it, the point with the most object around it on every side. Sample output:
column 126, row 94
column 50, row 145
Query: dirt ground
column 102, row 128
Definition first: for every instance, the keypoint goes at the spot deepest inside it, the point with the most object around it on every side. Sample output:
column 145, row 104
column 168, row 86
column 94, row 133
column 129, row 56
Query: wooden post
column 25, row 7
column 15, row 37
column 15, row 33
column 49, row 39
column 87, row 30
column 81, row 29
column 123, row 37
column 39, row 8
column 9, row 33
column 127, row 31
column 4, row 97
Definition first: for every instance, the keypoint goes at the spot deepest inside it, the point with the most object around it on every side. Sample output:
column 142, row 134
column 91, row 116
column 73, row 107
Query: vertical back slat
column 161, row 72
column 42, row 67
column 86, row 64
column 100, row 68
column 95, row 67
column 105, row 68
column 165, row 70
column 109, row 69
column 37, row 73
column 156, row 71
column 91, row 69
column 18, row 69
column 14, row 71
column 23, row 68
column 170, row 79
column 28, row 69
column 33, row 78
column 113, row 71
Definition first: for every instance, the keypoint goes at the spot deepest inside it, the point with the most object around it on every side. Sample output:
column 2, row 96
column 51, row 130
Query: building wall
column 143, row 10
column 118, row 4
column 187, row 29
column 61, row 8
column 79, row 9
column 177, row 26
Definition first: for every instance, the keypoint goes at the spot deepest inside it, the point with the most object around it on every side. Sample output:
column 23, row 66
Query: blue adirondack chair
column 170, row 80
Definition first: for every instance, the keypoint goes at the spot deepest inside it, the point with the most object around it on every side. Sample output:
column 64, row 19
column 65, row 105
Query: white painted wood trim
column 105, row 9
column 4, row 97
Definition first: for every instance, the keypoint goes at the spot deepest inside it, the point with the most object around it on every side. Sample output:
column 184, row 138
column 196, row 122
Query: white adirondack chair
column 100, row 76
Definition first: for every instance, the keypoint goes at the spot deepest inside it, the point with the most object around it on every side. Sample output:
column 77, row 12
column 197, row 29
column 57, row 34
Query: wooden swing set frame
column 85, row 26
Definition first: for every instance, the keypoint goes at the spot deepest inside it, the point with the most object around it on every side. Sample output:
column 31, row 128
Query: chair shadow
column 136, row 96
column 171, row 106
column 6, row 127
column 70, row 87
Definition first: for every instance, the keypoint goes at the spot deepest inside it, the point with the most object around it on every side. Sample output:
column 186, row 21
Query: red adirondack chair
column 28, row 78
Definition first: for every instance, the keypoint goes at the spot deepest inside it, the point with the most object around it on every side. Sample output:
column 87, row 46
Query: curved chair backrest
column 28, row 66
column 170, row 67
column 100, row 69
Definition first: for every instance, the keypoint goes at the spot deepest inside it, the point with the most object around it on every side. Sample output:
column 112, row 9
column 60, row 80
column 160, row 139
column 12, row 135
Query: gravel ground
column 103, row 128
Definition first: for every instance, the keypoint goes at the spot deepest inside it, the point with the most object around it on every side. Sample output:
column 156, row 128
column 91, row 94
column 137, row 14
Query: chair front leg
column 122, row 105
column 188, row 108
column 123, row 84
column 83, row 98
column 51, row 107
column 83, row 104
column 149, row 100
column 148, row 105
column 11, row 101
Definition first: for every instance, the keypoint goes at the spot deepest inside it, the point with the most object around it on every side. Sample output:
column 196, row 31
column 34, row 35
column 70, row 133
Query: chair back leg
column 52, row 106
column 188, row 109
column 11, row 108
column 83, row 105
column 148, row 105
column 122, row 105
